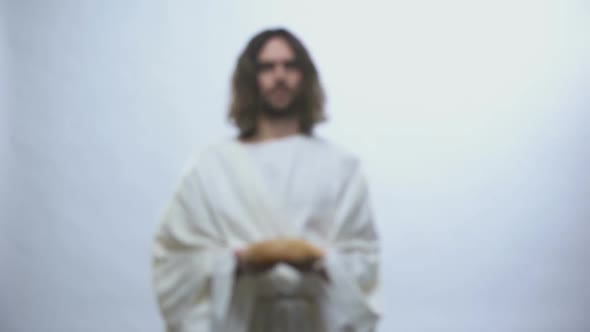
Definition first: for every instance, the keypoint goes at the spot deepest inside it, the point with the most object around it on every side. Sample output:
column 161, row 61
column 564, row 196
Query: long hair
column 246, row 98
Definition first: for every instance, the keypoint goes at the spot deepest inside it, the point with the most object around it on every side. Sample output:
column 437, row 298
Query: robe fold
column 225, row 202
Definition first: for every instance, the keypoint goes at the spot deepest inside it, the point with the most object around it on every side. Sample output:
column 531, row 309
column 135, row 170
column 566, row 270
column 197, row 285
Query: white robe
column 233, row 195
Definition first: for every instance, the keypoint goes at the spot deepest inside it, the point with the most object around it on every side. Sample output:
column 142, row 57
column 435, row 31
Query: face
column 279, row 78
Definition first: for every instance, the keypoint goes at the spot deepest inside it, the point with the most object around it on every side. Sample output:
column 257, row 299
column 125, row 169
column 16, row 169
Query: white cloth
column 235, row 194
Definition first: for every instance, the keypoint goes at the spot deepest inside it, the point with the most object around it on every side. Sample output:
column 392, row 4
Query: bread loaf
column 292, row 251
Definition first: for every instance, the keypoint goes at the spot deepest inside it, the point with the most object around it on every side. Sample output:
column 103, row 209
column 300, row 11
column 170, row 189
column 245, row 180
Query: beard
column 271, row 112
column 290, row 110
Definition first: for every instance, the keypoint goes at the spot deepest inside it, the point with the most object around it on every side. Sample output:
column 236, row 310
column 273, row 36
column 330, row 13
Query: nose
column 280, row 71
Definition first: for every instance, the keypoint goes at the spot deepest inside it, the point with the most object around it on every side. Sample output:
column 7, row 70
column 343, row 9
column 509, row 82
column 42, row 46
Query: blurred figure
column 271, row 231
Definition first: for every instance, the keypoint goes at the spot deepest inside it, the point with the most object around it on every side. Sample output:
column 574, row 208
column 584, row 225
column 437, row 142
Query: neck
column 270, row 129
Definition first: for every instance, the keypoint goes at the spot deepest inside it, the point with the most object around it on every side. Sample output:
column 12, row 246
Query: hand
column 316, row 266
column 263, row 256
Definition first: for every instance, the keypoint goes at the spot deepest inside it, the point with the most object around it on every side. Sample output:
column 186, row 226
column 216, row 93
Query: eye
column 265, row 66
column 291, row 65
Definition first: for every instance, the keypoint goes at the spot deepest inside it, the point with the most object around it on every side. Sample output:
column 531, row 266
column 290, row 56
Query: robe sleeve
column 192, row 264
column 352, row 259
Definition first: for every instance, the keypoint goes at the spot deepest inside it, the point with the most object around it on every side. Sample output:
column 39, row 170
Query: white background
column 471, row 118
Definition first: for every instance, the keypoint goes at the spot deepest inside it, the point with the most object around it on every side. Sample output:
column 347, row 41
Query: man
column 272, row 231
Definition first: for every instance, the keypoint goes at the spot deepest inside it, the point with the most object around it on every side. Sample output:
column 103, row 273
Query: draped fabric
column 225, row 201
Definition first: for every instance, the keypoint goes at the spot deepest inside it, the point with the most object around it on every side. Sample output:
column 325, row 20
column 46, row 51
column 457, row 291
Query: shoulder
column 334, row 153
column 208, row 157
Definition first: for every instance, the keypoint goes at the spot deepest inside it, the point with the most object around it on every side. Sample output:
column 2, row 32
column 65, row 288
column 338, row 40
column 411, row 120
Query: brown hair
column 245, row 104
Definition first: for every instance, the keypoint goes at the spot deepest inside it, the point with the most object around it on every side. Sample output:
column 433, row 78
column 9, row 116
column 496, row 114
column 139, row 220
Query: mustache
column 280, row 86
